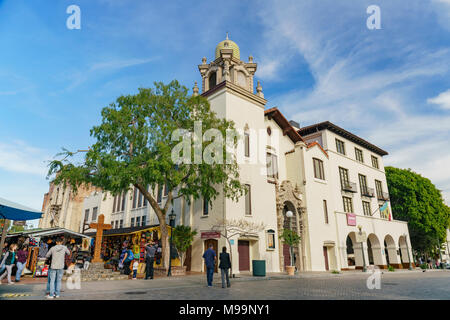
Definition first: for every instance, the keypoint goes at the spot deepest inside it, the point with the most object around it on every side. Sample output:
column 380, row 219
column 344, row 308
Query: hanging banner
column 351, row 219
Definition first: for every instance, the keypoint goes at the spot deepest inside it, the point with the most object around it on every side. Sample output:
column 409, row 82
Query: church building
column 326, row 184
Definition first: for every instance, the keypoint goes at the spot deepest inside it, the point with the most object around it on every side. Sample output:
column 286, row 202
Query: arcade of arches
column 390, row 253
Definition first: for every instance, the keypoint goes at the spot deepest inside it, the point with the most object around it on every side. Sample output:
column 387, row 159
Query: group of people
column 13, row 256
column 127, row 261
column 224, row 264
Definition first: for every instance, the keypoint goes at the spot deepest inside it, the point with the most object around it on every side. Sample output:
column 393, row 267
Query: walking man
column 150, row 250
column 210, row 261
column 56, row 273
column 225, row 265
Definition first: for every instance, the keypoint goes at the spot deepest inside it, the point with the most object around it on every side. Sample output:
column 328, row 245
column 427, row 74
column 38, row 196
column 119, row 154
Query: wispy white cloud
column 20, row 157
column 442, row 100
column 366, row 81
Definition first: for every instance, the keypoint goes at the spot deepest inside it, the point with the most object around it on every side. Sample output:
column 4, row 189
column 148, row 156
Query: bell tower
column 228, row 66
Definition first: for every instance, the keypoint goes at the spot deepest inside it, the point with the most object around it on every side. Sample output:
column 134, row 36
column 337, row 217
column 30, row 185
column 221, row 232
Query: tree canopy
column 416, row 200
column 134, row 146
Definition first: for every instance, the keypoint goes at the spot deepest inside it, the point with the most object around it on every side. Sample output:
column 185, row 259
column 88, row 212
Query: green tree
column 183, row 237
column 291, row 238
column 416, row 200
column 134, row 146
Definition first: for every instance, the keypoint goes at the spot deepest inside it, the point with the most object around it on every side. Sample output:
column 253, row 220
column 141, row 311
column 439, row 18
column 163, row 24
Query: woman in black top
column 225, row 265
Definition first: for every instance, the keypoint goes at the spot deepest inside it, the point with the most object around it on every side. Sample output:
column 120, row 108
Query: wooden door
column 286, row 255
column 244, row 255
column 325, row 255
column 215, row 246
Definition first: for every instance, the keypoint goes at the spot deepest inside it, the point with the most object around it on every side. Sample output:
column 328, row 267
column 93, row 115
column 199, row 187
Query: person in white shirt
column 135, row 268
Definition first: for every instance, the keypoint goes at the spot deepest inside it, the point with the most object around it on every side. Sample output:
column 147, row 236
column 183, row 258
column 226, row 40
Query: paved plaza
column 349, row 285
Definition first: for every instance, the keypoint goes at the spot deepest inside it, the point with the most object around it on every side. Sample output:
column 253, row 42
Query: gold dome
column 228, row 44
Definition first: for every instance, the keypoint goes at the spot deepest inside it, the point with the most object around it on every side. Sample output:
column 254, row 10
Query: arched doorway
column 289, row 198
column 350, row 252
column 290, row 224
column 390, row 251
column 354, row 252
column 374, row 251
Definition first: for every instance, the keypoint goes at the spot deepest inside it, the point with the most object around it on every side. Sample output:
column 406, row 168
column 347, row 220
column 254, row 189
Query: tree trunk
column 161, row 214
column 165, row 243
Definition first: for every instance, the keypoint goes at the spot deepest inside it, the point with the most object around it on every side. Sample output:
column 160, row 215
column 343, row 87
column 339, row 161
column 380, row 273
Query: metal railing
column 368, row 192
column 349, row 186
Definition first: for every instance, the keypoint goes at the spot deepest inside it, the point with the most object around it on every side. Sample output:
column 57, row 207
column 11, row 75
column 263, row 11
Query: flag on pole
column 385, row 212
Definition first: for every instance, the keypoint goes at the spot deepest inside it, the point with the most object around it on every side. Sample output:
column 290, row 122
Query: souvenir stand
column 114, row 240
column 39, row 241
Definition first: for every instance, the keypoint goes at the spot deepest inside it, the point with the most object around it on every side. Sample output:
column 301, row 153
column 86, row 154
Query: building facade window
column 379, row 189
column 138, row 199
column 375, row 162
column 121, row 223
column 94, row 213
column 132, row 222
column 205, row 207
column 160, row 192
column 366, row 208
column 363, row 184
column 144, row 220
column 248, row 200
column 319, row 172
column 325, row 211
column 272, row 166
column 138, row 221
column 343, row 175
column 270, row 235
column 359, row 155
column 123, row 201
column 340, row 146
column 348, row 204
column 247, row 144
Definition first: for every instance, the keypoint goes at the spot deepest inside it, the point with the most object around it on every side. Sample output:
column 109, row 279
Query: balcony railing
column 368, row 192
column 383, row 196
column 349, row 186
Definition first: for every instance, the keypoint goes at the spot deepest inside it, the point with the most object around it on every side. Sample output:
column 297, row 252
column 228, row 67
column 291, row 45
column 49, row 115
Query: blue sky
column 316, row 61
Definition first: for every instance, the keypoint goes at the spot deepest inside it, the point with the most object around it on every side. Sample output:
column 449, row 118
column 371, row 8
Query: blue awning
column 14, row 211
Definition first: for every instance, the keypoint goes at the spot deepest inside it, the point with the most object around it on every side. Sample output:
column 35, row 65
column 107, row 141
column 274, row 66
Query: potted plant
column 183, row 237
column 291, row 238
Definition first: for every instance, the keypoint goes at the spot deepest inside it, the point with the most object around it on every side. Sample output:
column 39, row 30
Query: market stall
column 114, row 240
column 39, row 241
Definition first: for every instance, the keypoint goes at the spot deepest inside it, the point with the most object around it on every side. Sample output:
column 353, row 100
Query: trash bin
column 259, row 268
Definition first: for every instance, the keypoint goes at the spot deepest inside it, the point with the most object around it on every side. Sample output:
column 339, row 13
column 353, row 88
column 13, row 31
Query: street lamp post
column 172, row 217
column 362, row 251
column 407, row 249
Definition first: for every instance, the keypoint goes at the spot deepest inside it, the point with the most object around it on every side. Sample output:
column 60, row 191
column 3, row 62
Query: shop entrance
column 244, row 255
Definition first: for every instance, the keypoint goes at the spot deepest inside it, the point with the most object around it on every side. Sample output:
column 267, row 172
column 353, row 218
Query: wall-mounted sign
column 210, row 235
column 231, row 241
column 351, row 219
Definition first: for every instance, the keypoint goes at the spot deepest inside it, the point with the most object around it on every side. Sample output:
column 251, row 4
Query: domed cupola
column 228, row 44
column 227, row 66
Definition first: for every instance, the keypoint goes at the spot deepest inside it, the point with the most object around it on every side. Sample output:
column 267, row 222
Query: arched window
column 212, row 80
column 270, row 235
